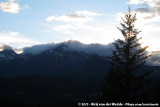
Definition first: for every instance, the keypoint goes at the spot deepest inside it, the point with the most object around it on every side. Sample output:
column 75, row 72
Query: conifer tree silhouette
column 123, row 82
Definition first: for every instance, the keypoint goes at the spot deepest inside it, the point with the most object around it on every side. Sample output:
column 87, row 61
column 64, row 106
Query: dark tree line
column 125, row 82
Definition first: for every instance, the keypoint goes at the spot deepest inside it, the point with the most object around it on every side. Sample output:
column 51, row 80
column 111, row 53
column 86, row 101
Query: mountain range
column 50, row 62
column 69, row 71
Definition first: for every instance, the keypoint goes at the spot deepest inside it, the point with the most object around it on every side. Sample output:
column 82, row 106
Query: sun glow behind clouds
column 94, row 27
column 148, row 26
column 148, row 16
column 85, row 26
column 104, row 32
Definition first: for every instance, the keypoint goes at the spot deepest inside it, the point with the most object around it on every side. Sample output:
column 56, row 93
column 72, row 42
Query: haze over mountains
column 57, row 59
column 102, row 50
column 99, row 49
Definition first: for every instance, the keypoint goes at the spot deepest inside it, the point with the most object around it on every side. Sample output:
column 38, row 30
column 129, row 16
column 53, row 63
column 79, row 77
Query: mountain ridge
column 53, row 61
column 99, row 49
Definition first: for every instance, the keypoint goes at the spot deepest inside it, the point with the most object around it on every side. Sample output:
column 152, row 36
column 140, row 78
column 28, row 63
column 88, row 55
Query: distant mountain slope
column 69, row 58
column 53, row 62
column 7, row 54
column 102, row 50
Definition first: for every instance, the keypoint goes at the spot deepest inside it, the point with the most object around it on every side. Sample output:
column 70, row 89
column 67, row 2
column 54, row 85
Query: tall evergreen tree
column 125, row 82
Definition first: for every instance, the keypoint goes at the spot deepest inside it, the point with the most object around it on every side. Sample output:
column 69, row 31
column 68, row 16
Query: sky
column 30, row 22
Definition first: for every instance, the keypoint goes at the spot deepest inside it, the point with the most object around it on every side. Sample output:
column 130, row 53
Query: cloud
column 82, row 26
column 69, row 18
column 77, row 17
column 148, row 13
column 66, row 29
column 87, row 13
column 4, row 46
column 75, row 27
column 105, row 32
column 11, row 6
column 15, row 39
column 139, row 1
column 37, row 49
column 144, row 10
column 151, row 7
column 103, row 50
column 154, row 59
column 89, row 33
